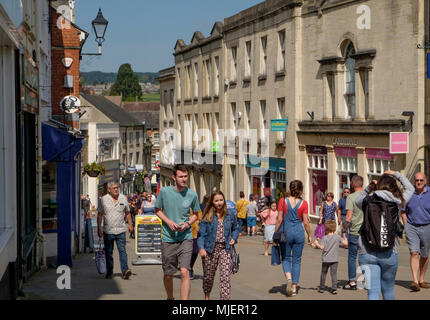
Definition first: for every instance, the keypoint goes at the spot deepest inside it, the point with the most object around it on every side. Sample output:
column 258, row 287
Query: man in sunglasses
column 416, row 218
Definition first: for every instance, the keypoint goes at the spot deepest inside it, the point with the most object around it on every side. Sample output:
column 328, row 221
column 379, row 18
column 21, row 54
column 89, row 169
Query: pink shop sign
column 345, row 152
column 374, row 153
column 399, row 142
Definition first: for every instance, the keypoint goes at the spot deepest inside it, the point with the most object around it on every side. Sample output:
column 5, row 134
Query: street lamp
column 99, row 25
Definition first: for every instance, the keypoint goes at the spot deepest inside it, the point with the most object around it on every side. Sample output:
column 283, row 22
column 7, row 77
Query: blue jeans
column 379, row 270
column 89, row 241
column 343, row 217
column 120, row 243
column 352, row 256
column 291, row 253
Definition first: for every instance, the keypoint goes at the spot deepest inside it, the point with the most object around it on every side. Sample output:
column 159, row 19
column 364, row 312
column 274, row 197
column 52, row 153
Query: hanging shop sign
column 70, row 104
column 399, row 142
column 279, row 125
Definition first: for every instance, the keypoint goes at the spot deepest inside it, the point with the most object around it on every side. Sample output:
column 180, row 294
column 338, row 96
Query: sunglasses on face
column 419, row 180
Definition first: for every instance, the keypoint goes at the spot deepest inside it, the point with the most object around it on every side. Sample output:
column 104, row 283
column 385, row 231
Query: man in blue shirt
column 417, row 229
column 342, row 204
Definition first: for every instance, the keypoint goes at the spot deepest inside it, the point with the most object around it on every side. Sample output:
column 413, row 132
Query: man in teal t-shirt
column 173, row 207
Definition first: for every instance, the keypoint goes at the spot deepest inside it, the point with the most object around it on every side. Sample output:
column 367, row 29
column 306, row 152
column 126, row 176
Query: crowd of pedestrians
column 367, row 221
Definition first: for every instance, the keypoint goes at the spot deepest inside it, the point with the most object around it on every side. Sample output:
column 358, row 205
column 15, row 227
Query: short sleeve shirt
column 342, row 206
column 269, row 216
column 302, row 210
column 251, row 210
column 114, row 214
column 357, row 214
column 418, row 208
column 176, row 206
column 331, row 248
column 241, row 208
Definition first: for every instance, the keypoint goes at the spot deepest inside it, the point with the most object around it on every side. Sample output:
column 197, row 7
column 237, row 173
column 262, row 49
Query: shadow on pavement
column 404, row 284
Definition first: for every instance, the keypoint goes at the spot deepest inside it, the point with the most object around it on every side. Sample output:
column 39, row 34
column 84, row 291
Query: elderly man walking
column 114, row 209
column 417, row 229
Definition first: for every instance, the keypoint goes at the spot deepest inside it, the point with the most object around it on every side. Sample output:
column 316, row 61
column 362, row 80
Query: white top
column 114, row 214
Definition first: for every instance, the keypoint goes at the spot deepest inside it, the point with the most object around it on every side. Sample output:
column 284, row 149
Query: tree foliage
column 127, row 83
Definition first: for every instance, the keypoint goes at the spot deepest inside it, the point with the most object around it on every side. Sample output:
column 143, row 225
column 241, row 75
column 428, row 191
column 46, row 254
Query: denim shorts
column 418, row 238
column 251, row 221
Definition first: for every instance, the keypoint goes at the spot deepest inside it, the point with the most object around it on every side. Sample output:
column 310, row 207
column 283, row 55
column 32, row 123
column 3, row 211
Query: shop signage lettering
column 279, row 125
column 399, row 142
column 345, row 141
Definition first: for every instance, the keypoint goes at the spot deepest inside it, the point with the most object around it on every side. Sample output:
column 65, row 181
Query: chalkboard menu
column 148, row 234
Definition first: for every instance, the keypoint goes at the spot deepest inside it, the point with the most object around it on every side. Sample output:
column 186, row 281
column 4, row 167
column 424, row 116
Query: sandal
column 289, row 287
column 333, row 291
column 320, row 290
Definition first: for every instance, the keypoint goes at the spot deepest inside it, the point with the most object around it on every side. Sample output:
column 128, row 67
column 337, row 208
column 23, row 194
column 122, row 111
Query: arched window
column 350, row 82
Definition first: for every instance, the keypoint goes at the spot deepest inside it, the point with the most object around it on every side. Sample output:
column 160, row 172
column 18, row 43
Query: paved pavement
column 256, row 279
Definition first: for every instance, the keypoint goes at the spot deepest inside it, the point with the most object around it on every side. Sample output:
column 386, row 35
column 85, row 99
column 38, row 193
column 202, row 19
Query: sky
column 144, row 32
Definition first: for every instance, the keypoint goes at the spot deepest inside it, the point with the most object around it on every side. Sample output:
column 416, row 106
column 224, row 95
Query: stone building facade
column 344, row 73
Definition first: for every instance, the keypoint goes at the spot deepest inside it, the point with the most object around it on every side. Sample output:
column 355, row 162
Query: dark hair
column 296, row 188
column 210, row 209
column 330, row 226
column 273, row 202
column 180, row 167
column 251, row 197
column 330, row 194
column 242, row 194
column 389, row 184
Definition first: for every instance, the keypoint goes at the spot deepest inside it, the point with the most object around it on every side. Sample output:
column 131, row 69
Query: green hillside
column 98, row 77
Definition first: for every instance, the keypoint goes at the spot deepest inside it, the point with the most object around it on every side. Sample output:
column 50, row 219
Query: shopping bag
column 235, row 261
column 276, row 255
column 319, row 231
column 100, row 258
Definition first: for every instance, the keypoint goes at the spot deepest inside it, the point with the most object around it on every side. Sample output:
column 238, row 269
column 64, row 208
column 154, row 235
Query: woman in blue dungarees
column 293, row 215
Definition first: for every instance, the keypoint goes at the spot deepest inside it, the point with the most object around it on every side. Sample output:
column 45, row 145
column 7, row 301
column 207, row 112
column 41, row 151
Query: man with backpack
column 378, row 243
column 353, row 222
column 416, row 219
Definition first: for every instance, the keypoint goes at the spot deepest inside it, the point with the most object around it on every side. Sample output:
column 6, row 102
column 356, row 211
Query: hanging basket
column 93, row 174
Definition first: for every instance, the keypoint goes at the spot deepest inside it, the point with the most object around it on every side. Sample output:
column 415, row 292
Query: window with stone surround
column 281, row 51
column 350, row 83
column 263, row 70
column 234, row 64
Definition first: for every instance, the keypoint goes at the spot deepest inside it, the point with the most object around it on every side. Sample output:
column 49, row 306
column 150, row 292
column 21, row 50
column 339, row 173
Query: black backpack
column 379, row 229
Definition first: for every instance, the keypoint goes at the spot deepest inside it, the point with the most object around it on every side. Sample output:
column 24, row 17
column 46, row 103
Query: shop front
column 318, row 178
column 346, row 168
column 378, row 161
column 61, row 183
column 266, row 176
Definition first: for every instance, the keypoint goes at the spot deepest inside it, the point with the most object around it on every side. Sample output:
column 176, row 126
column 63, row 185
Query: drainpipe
column 40, row 239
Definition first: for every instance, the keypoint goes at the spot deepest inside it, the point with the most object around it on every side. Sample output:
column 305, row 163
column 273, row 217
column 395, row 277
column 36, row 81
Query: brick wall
column 64, row 43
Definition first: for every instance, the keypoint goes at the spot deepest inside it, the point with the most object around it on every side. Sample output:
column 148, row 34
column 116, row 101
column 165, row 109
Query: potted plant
column 94, row 170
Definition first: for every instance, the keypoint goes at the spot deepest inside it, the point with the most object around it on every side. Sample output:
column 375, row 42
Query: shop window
column 49, row 197
column 376, row 167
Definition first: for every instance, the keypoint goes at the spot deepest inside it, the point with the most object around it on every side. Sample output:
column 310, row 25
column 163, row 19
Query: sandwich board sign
column 148, row 239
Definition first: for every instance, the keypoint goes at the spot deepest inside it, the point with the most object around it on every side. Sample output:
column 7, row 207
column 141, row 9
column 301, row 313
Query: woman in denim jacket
column 218, row 231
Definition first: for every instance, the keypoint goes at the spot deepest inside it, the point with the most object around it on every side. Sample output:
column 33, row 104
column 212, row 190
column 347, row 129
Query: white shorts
column 269, row 230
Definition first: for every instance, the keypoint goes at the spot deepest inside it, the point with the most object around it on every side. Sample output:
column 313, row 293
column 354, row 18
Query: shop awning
column 59, row 145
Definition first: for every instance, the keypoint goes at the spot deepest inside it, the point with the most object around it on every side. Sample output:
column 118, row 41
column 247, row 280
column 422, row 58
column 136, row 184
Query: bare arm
column 99, row 224
column 307, row 227
column 279, row 220
column 172, row 225
column 348, row 220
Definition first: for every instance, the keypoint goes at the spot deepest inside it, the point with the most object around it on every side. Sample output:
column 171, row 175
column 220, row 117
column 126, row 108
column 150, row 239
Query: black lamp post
column 99, row 25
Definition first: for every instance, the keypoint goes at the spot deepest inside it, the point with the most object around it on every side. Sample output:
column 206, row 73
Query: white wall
column 8, row 198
